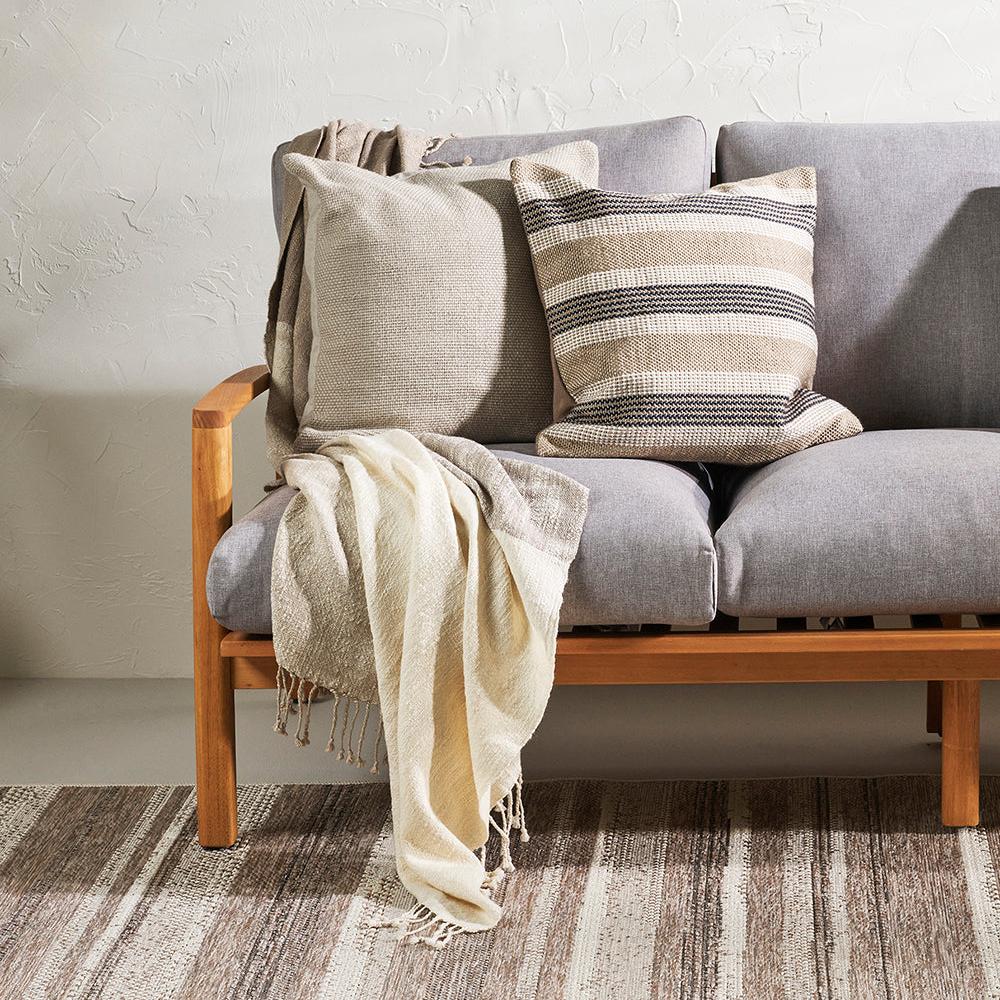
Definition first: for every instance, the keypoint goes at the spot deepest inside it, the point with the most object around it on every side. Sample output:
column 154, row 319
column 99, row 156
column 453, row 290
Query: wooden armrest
column 211, row 514
column 218, row 407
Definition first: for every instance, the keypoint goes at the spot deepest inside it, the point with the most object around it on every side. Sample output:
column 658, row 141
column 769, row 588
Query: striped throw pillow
column 682, row 327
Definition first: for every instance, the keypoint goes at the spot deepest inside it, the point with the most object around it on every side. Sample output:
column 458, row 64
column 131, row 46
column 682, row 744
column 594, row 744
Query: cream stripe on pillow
column 682, row 327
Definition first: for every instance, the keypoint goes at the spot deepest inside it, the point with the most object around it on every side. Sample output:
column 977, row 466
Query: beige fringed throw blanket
column 424, row 575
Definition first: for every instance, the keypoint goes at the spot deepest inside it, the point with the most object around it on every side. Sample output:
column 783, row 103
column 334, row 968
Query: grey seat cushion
column 646, row 555
column 889, row 522
column 906, row 262
column 667, row 155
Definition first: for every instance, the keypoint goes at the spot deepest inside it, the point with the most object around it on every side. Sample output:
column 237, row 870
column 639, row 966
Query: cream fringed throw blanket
column 424, row 575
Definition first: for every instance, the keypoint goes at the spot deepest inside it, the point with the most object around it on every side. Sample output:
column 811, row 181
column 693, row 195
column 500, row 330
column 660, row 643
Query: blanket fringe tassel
column 420, row 924
column 349, row 730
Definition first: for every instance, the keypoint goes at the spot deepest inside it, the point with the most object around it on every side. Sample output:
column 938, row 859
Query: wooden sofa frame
column 936, row 649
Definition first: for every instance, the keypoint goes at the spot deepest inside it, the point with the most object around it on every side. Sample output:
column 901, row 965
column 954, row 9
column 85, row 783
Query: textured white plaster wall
column 136, row 239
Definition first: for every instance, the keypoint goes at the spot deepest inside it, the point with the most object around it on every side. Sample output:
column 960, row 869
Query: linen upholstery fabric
column 646, row 552
column 288, row 335
column 424, row 310
column 670, row 154
column 681, row 326
column 907, row 251
column 889, row 522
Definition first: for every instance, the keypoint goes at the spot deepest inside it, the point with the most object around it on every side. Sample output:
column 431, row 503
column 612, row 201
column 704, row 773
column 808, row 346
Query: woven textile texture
column 842, row 889
column 289, row 336
column 682, row 327
column 426, row 575
column 425, row 314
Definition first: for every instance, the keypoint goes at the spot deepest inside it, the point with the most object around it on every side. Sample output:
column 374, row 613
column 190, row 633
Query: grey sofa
column 901, row 520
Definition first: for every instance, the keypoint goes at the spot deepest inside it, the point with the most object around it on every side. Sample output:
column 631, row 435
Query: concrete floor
column 140, row 731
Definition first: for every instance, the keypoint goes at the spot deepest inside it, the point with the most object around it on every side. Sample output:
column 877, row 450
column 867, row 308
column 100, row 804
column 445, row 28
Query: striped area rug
column 787, row 889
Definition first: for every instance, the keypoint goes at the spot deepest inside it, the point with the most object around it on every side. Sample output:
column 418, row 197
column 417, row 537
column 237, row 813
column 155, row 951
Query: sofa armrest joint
column 218, row 407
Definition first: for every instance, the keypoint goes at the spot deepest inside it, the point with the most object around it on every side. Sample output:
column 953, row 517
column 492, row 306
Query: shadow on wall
column 95, row 528
column 934, row 352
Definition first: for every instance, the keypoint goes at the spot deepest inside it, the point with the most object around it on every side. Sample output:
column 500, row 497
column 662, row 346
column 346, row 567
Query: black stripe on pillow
column 694, row 409
column 646, row 300
column 541, row 213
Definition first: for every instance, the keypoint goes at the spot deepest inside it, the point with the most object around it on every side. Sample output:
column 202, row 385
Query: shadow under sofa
column 901, row 520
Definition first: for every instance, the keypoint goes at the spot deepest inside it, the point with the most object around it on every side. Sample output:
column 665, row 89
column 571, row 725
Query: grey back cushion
column 669, row 155
column 907, row 262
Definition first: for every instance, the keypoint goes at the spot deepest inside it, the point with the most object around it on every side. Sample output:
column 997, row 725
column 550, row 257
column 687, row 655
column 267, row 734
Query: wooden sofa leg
column 214, row 708
column 934, row 707
column 960, row 753
column 215, row 753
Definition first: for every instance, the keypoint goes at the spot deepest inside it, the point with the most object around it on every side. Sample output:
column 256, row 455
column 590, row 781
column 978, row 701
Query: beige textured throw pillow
column 682, row 326
column 425, row 312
